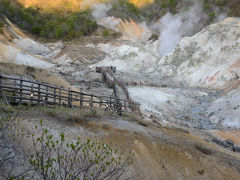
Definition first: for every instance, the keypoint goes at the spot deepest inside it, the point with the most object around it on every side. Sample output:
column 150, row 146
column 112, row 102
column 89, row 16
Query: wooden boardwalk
column 21, row 91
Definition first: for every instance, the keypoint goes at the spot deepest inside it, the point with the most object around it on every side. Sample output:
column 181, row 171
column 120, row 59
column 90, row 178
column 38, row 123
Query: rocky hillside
column 180, row 60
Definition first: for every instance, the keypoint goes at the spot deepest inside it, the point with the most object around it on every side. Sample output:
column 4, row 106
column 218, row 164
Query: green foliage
column 127, row 6
column 168, row 3
column 206, row 7
column 221, row 2
column 132, row 8
column 172, row 3
column 105, row 33
column 212, row 15
column 49, row 25
column 1, row 27
column 54, row 158
column 59, row 31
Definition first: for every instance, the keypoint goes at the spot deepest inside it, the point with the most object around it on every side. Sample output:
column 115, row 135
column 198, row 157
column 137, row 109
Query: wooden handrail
column 37, row 93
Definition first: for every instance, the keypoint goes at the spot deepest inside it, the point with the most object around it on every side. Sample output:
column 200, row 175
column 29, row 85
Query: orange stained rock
column 233, row 135
column 235, row 66
column 133, row 29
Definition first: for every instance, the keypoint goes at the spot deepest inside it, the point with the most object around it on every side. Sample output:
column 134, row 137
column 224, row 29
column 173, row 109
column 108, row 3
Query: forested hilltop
column 69, row 19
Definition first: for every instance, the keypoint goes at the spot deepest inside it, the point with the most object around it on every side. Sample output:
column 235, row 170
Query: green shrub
column 37, row 29
column 172, row 3
column 132, row 8
column 221, row 2
column 55, row 157
column 1, row 27
column 79, row 33
column 206, row 7
column 105, row 33
column 212, row 15
column 59, row 31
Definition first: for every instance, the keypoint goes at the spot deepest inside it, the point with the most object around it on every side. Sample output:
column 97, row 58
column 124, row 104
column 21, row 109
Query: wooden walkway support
column 20, row 91
column 114, row 83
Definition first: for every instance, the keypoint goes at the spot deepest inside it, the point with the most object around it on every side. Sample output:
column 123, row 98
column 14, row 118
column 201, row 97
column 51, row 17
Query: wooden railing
column 20, row 91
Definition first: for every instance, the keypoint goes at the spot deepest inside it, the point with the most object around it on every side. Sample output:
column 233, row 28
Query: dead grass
column 135, row 118
column 203, row 149
column 37, row 74
column 77, row 115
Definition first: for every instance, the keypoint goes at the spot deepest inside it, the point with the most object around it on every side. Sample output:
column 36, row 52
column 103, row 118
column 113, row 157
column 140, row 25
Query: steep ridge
column 210, row 58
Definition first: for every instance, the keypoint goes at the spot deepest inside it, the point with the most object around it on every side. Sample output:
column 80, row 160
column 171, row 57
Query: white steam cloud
column 173, row 27
column 100, row 11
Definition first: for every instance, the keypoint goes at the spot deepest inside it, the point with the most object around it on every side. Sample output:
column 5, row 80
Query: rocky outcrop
column 17, row 48
column 209, row 59
column 9, row 53
column 225, row 111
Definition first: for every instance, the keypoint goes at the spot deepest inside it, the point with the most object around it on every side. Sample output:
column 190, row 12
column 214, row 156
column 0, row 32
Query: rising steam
column 173, row 27
column 100, row 11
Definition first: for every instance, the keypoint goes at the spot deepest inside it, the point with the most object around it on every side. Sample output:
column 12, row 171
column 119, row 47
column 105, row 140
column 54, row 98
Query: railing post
column 21, row 89
column 39, row 94
column 46, row 99
column 81, row 100
column 54, row 96
column 69, row 98
column 32, row 94
column 60, row 97
column 0, row 82
column 15, row 93
column 91, row 101
column 110, row 102
column 100, row 102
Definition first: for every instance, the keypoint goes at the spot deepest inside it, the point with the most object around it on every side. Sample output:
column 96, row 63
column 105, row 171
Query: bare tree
column 12, row 159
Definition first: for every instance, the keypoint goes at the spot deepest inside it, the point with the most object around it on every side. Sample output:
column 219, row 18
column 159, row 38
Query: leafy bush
column 105, row 33
column 59, row 31
column 212, row 15
column 221, row 2
column 1, row 27
column 57, row 158
column 127, row 6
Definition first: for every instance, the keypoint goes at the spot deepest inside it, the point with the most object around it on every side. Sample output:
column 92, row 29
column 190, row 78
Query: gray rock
column 224, row 143
column 236, row 149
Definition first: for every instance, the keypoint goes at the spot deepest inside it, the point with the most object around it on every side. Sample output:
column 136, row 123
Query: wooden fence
column 20, row 91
